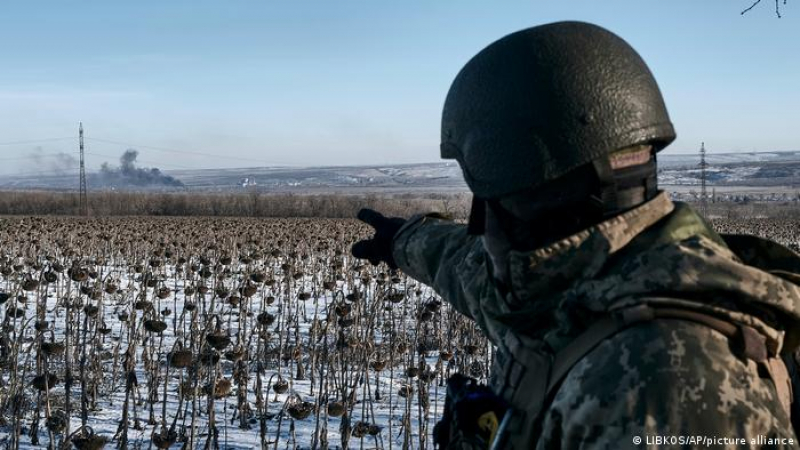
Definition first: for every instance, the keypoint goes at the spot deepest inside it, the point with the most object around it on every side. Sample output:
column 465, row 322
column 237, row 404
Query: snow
column 281, row 430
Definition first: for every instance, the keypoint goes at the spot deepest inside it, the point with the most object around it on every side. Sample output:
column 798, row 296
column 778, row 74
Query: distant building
column 247, row 182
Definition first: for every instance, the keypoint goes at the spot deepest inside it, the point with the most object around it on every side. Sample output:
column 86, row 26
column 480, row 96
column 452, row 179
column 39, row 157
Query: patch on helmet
column 630, row 156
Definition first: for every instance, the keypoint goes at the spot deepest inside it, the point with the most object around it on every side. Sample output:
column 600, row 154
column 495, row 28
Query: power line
column 145, row 161
column 703, row 166
column 170, row 150
column 23, row 175
column 70, row 169
column 36, row 155
column 84, row 204
column 33, row 141
column 125, row 144
column 52, row 172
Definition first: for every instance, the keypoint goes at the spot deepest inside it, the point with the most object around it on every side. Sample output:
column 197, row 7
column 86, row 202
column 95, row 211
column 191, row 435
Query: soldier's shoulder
column 766, row 255
column 663, row 376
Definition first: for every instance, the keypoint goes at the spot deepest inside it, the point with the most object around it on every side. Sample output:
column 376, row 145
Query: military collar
column 549, row 270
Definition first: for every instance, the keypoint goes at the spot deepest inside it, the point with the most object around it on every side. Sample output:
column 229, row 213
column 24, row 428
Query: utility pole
column 83, row 203
column 703, row 193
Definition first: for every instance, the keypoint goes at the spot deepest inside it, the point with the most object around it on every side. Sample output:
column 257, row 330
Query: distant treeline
column 751, row 209
column 229, row 204
column 115, row 203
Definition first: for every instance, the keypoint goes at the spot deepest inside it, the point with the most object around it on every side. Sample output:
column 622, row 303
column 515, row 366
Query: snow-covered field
column 140, row 319
column 314, row 349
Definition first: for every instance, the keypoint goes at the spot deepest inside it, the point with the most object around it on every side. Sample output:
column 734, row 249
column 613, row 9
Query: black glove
column 379, row 248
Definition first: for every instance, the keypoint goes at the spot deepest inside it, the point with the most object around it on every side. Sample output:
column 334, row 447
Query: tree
column 777, row 7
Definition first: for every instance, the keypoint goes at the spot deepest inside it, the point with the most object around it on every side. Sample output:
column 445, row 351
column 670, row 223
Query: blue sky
column 201, row 84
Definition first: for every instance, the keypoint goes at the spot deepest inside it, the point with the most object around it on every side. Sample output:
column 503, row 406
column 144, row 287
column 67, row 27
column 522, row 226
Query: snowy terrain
column 333, row 330
column 725, row 169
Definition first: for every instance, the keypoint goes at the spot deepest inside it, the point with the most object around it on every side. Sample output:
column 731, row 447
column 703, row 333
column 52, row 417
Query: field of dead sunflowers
column 225, row 333
column 217, row 333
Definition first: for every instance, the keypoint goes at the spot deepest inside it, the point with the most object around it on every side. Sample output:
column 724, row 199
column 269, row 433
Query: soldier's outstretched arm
column 433, row 250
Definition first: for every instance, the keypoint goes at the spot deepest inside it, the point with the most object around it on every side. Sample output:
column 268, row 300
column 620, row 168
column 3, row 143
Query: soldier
column 621, row 319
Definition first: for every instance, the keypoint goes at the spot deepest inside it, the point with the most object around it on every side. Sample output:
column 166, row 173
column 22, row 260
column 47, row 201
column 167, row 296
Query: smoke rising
column 57, row 164
column 127, row 174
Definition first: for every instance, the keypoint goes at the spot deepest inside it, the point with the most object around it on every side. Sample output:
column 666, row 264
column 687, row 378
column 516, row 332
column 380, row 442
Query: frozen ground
column 337, row 359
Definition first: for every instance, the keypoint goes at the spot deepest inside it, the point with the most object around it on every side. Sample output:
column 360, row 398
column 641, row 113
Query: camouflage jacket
column 659, row 378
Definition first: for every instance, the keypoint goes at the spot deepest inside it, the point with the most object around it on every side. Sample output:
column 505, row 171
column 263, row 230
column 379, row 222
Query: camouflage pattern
column 665, row 377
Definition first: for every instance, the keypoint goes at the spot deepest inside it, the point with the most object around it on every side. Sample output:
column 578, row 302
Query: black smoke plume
column 127, row 174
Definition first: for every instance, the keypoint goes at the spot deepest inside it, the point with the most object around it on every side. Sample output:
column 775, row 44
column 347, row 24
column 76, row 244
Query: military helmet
column 540, row 102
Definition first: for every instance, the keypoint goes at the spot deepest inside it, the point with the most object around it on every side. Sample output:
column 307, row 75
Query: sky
column 241, row 83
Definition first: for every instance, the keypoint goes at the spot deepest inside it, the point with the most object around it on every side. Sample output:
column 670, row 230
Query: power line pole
column 703, row 193
column 83, row 204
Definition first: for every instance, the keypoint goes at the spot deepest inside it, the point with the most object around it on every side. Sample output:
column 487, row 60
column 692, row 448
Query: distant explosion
column 127, row 174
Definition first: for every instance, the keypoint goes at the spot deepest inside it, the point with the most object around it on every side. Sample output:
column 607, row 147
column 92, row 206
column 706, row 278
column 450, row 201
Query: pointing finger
column 362, row 249
column 371, row 217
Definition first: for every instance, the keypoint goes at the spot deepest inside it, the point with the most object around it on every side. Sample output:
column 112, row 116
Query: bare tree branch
column 751, row 6
column 777, row 7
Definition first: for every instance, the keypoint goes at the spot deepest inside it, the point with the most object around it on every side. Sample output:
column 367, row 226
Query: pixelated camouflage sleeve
column 438, row 252
column 668, row 378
